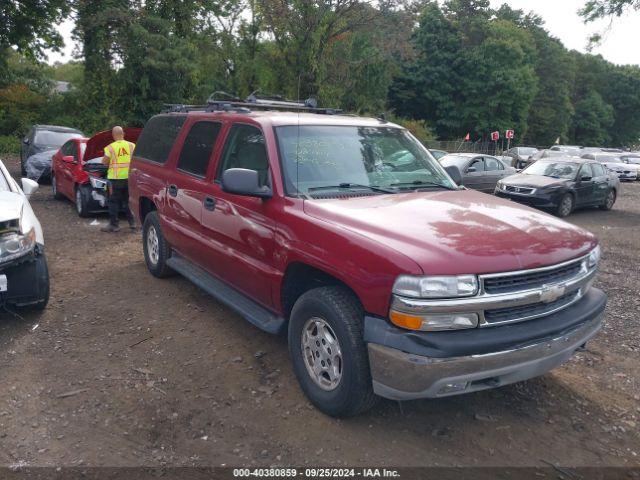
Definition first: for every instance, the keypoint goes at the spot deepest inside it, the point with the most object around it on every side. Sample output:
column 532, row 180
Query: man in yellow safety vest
column 117, row 156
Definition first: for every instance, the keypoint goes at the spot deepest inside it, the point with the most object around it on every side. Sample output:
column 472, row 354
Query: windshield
column 53, row 138
column 553, row 169
column 381, row 159
column 454, row 161
column 527, row 150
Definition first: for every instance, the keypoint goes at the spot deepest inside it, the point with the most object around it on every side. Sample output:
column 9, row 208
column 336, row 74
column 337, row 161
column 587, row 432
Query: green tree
column 592, row 120
column 30, row 26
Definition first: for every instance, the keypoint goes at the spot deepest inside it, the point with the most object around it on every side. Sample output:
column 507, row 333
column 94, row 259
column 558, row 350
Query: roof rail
column 253, row 102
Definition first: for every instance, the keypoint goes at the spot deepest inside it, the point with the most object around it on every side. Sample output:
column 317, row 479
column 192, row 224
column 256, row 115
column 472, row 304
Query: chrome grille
column 529, row 280
column 533, row 310
column 526, row 190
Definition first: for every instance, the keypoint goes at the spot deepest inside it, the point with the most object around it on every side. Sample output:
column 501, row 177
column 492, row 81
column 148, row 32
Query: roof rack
column 252, row 102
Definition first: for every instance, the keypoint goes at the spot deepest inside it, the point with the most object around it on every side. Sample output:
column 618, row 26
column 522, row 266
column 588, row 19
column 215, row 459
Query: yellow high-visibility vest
column 119, row 153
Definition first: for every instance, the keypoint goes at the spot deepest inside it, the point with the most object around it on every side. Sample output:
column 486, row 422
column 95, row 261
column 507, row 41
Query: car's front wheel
column 156, row 249
column 565, row 205
column 328, row 352
column 82, row 201
column 609, row 200
column 54, row 187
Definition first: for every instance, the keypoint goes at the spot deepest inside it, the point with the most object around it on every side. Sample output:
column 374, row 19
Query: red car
column 77, row 172
column 347, row 235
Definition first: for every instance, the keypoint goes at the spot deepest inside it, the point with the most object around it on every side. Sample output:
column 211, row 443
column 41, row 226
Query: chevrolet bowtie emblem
column 551, row 294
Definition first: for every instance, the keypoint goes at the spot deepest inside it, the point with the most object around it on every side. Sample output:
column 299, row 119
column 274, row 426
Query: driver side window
column 477, row 164
column 586, row 171
column 245, row 148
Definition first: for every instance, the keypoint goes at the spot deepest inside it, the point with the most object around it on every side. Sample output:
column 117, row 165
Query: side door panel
column 494, row 171
column 601, row 184
column 240, row 228
column 187, row 187
column 585, row 188
column 65, row 172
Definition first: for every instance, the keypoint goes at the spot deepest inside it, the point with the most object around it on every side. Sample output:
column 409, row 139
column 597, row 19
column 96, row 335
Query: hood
column 621, row 167
column 96, row 144
column 11, row 205
column 458, row 232
column 536, row 181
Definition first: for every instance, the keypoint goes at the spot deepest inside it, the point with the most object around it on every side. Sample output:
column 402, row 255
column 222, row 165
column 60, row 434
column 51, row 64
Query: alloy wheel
column 566, row 205
column 79, row 201
column 611, row 198
column 322, row 353
column 153, row 245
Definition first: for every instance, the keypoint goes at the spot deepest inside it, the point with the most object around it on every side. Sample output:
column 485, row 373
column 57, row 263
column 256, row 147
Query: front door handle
column 210, row 203
column 173, row 190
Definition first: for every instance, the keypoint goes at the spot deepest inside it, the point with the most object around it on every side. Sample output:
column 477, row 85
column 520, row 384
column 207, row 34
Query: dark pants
column 119, row 200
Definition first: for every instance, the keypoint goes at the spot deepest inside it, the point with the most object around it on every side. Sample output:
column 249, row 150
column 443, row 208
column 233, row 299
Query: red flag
column 468, row 137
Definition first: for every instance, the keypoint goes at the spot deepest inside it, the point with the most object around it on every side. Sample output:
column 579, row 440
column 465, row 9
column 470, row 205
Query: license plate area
column 3, row 283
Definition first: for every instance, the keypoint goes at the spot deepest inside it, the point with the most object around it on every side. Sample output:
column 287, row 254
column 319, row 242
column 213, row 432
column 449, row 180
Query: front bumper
column 411, row 365
column 538, row 200
column 26, row 279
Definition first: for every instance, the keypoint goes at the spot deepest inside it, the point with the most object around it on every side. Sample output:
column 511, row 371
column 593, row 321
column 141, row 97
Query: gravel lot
column 161, row 374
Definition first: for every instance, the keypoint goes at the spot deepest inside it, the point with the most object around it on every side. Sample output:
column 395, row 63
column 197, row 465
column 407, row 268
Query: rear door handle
column 210, row 203
column 173, row 190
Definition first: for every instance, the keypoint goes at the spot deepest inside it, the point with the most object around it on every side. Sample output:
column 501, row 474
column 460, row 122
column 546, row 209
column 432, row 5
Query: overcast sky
column 620, row 44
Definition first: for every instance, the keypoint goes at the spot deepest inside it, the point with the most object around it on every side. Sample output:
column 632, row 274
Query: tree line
column 441, row 69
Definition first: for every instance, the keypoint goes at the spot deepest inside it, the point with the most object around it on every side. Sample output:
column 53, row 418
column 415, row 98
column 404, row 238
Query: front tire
column 156, row 249
column 609, row 200
column 54, row 188
column 565, row 206
column 82, row 200
column 328, row 352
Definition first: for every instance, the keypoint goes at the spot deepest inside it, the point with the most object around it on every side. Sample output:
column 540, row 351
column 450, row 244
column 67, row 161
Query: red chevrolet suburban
column 347, row 235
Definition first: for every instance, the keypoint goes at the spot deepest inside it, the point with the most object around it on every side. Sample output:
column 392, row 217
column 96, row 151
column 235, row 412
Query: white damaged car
column 24, row 276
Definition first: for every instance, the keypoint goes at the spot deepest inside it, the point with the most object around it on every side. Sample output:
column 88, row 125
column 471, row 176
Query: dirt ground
column 123, row 369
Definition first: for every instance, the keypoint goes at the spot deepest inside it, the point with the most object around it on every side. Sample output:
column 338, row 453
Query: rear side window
column 197, row 148
column 245, row 148
column 158, row 136
column 492, row 164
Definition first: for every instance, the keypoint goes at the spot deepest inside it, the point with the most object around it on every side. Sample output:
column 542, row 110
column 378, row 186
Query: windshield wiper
column 347, row 185
column 420, row 183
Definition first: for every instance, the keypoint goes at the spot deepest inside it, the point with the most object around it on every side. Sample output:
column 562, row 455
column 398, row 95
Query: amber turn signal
column 405, row 321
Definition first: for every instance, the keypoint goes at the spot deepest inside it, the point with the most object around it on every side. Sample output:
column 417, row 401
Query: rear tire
column 324, row 318
column 156, row 249
column 609, row 201
column 565, row 205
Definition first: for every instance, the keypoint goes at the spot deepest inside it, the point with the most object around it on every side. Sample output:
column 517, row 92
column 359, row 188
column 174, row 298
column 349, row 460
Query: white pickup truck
column 24, row 276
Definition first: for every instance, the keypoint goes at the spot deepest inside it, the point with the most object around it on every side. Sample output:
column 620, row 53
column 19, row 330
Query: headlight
column 97, row 183
column 15, row 245
column 436, row 287
column 594, row 257
column 435, row 322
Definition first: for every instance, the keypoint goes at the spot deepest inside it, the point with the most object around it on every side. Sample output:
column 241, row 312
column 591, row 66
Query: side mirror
column 29, row 186
column 585, row 178
column 25, row 141
column 471, row 169
column 68, row 159
column 242, row 181
column 454, row 173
